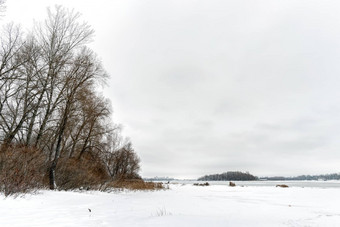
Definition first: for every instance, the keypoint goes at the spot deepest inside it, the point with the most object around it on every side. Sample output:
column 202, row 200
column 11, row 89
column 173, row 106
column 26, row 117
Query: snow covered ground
column 182, row 205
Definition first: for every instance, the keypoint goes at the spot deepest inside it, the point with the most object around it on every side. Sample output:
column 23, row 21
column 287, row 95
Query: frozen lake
column 301, row 184
column 182, row 205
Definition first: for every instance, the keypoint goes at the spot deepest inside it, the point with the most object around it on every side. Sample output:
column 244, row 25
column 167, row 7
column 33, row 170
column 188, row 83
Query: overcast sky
column 205, row 87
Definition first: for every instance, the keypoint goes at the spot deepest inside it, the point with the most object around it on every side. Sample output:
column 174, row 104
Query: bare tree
column 120, row 159
column 2, row 6
column 82, row 72
column 88, row 124
column 27, row 90
column 49, row 103
column 59, row 37
column 12, row 57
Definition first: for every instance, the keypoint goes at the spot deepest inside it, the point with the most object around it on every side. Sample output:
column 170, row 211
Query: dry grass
column 163, row 212
column 22, row 169
column 133, row 185
column 282, row 186
column 74, row 173
column 25, row 169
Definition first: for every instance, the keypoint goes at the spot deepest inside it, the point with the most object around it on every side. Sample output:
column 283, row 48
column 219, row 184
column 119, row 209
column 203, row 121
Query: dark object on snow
column 89, row 209
column 282, row 186
column 232, row 184
column 204, row 184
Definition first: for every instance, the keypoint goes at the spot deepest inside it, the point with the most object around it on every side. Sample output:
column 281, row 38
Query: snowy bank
column 182, row 205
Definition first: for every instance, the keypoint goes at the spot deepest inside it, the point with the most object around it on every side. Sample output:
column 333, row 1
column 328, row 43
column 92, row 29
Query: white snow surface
column 181, row 205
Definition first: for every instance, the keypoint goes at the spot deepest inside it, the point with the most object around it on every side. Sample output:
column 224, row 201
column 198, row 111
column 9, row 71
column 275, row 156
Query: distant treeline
column 333, row 176
column 229, row 176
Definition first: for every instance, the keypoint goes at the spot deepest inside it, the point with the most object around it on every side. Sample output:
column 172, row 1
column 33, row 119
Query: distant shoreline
column 321, row 177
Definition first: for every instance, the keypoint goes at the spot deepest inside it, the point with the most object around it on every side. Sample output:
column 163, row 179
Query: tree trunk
column 57, row 150
column 52, row 176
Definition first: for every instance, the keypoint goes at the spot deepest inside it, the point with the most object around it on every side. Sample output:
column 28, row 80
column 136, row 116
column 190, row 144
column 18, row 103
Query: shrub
column 122, row 163
column 22, row 169
column 85, row 172
column 282, row 186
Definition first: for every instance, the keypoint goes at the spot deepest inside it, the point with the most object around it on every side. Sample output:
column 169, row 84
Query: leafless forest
column 55, row 127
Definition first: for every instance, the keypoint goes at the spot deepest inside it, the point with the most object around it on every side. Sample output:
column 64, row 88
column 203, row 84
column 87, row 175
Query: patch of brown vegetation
column 25, row 169
column 137, row 184
column 22, row 169
column 85, row 172
column 282, row 186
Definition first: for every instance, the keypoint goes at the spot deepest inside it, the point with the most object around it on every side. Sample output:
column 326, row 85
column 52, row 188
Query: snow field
column 181, row 205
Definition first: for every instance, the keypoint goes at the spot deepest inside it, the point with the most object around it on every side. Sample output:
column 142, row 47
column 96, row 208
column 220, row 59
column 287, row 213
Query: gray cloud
column 209, row 86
